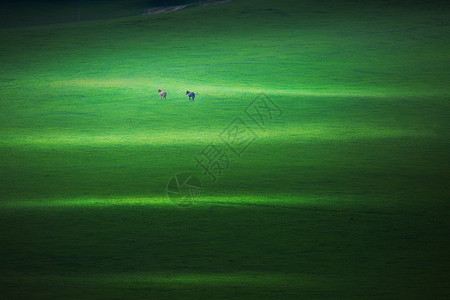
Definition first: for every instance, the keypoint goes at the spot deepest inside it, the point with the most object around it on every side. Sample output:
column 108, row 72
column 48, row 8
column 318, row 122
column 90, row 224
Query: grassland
column 345, row 195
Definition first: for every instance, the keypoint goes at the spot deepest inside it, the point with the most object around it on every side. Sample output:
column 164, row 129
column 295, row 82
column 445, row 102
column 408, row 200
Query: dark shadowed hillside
column 19, row 13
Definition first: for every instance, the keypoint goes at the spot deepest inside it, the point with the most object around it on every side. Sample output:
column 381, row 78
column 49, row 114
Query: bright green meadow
column 342, row 194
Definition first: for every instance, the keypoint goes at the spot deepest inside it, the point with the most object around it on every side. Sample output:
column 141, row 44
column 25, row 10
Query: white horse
column 162, row 93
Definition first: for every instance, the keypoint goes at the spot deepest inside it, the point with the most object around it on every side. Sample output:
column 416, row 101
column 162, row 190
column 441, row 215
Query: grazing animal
column 162, row 93
column 191, row 95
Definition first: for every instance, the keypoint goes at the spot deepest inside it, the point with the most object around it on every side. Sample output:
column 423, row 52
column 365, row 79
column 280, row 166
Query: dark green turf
column 342, row 196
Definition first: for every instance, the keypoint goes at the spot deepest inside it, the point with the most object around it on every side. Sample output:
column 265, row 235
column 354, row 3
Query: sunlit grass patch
column 87, row 202
column 160, row 201
column 176, row 278
column 304, row 133
column 145, row 86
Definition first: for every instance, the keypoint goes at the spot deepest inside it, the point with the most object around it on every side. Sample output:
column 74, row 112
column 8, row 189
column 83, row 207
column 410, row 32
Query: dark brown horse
column 162, row 93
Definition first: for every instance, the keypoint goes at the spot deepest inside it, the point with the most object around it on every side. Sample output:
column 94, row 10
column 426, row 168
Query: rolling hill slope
column 341, row 194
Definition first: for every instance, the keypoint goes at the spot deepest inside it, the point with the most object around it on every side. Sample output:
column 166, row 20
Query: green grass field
column 342, row 196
